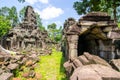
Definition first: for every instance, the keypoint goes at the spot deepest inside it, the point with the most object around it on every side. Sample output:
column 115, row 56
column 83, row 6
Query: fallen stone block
column 23, row 61
column 13, row 66
column 83, row 60
column 106, row 73
column 1, row 71
column 98, row 60
column 88, row 56
column 2, row 58
column 13, row 61
column 77, row 63
column 93, row 59
column 30, row 74
column 34, row 57
column 19, row 57
column 29, row 63
column 85, row 73
column 6, row 76
column 95, row 72
column 115, row 64
column 68, row 66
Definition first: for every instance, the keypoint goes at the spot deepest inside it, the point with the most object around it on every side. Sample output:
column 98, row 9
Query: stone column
column 72, row 46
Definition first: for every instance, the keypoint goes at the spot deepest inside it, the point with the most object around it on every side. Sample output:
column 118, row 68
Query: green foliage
column 5, row 25
column 16, row 72
column 22, row 13
column 118, row 24
column 54, row 33
column 39, row 23
column 4, row 11
column 52, row 26
column 42, row 28
column 11, row 14
column 85, row 6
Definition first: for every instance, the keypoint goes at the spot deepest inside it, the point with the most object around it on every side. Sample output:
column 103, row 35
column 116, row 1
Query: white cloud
column 35, row 1
column 44, row 1
column 59, row 23
column 50, row 12
column 31, row 1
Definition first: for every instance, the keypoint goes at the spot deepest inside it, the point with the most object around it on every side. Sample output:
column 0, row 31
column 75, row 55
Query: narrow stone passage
column 51, row 66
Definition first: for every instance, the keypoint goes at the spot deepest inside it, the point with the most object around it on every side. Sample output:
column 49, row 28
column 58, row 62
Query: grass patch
column 51, row 66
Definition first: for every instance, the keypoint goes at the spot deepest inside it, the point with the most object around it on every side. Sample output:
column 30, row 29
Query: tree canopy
column 85, row 6
column 5, row 25
column 54, row 33
column 22, row 13
column 11, row 14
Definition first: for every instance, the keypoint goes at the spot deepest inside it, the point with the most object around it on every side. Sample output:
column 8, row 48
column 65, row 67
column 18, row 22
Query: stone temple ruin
column 23, row 37
column 26, row 34
column 95, row 33
column 92, row 46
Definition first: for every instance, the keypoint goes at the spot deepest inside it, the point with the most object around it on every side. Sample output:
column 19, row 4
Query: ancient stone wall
column 95, row 33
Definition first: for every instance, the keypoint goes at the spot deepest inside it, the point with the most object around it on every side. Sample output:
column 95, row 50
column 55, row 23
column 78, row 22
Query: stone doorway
column 99, row 47
column 86, row 45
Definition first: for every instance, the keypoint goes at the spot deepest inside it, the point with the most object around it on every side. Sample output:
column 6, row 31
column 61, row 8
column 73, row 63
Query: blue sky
column 50, row 10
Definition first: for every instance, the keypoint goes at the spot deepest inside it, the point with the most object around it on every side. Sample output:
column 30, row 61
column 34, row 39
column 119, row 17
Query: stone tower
column 26, row 34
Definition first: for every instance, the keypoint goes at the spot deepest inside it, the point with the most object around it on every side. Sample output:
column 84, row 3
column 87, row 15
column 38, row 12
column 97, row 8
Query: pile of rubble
column 91, row 67
column 10, row 63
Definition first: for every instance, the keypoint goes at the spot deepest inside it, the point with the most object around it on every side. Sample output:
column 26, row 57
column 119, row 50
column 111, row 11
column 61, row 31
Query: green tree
column 5, row 25
column 58, row 34
column 113, row 4
column 54, row 33
column 85, row 6
column 11, row 14
column 39, row 22
column 51, row 30
column 52, row 26
column 22, row 13
column 4, row 11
